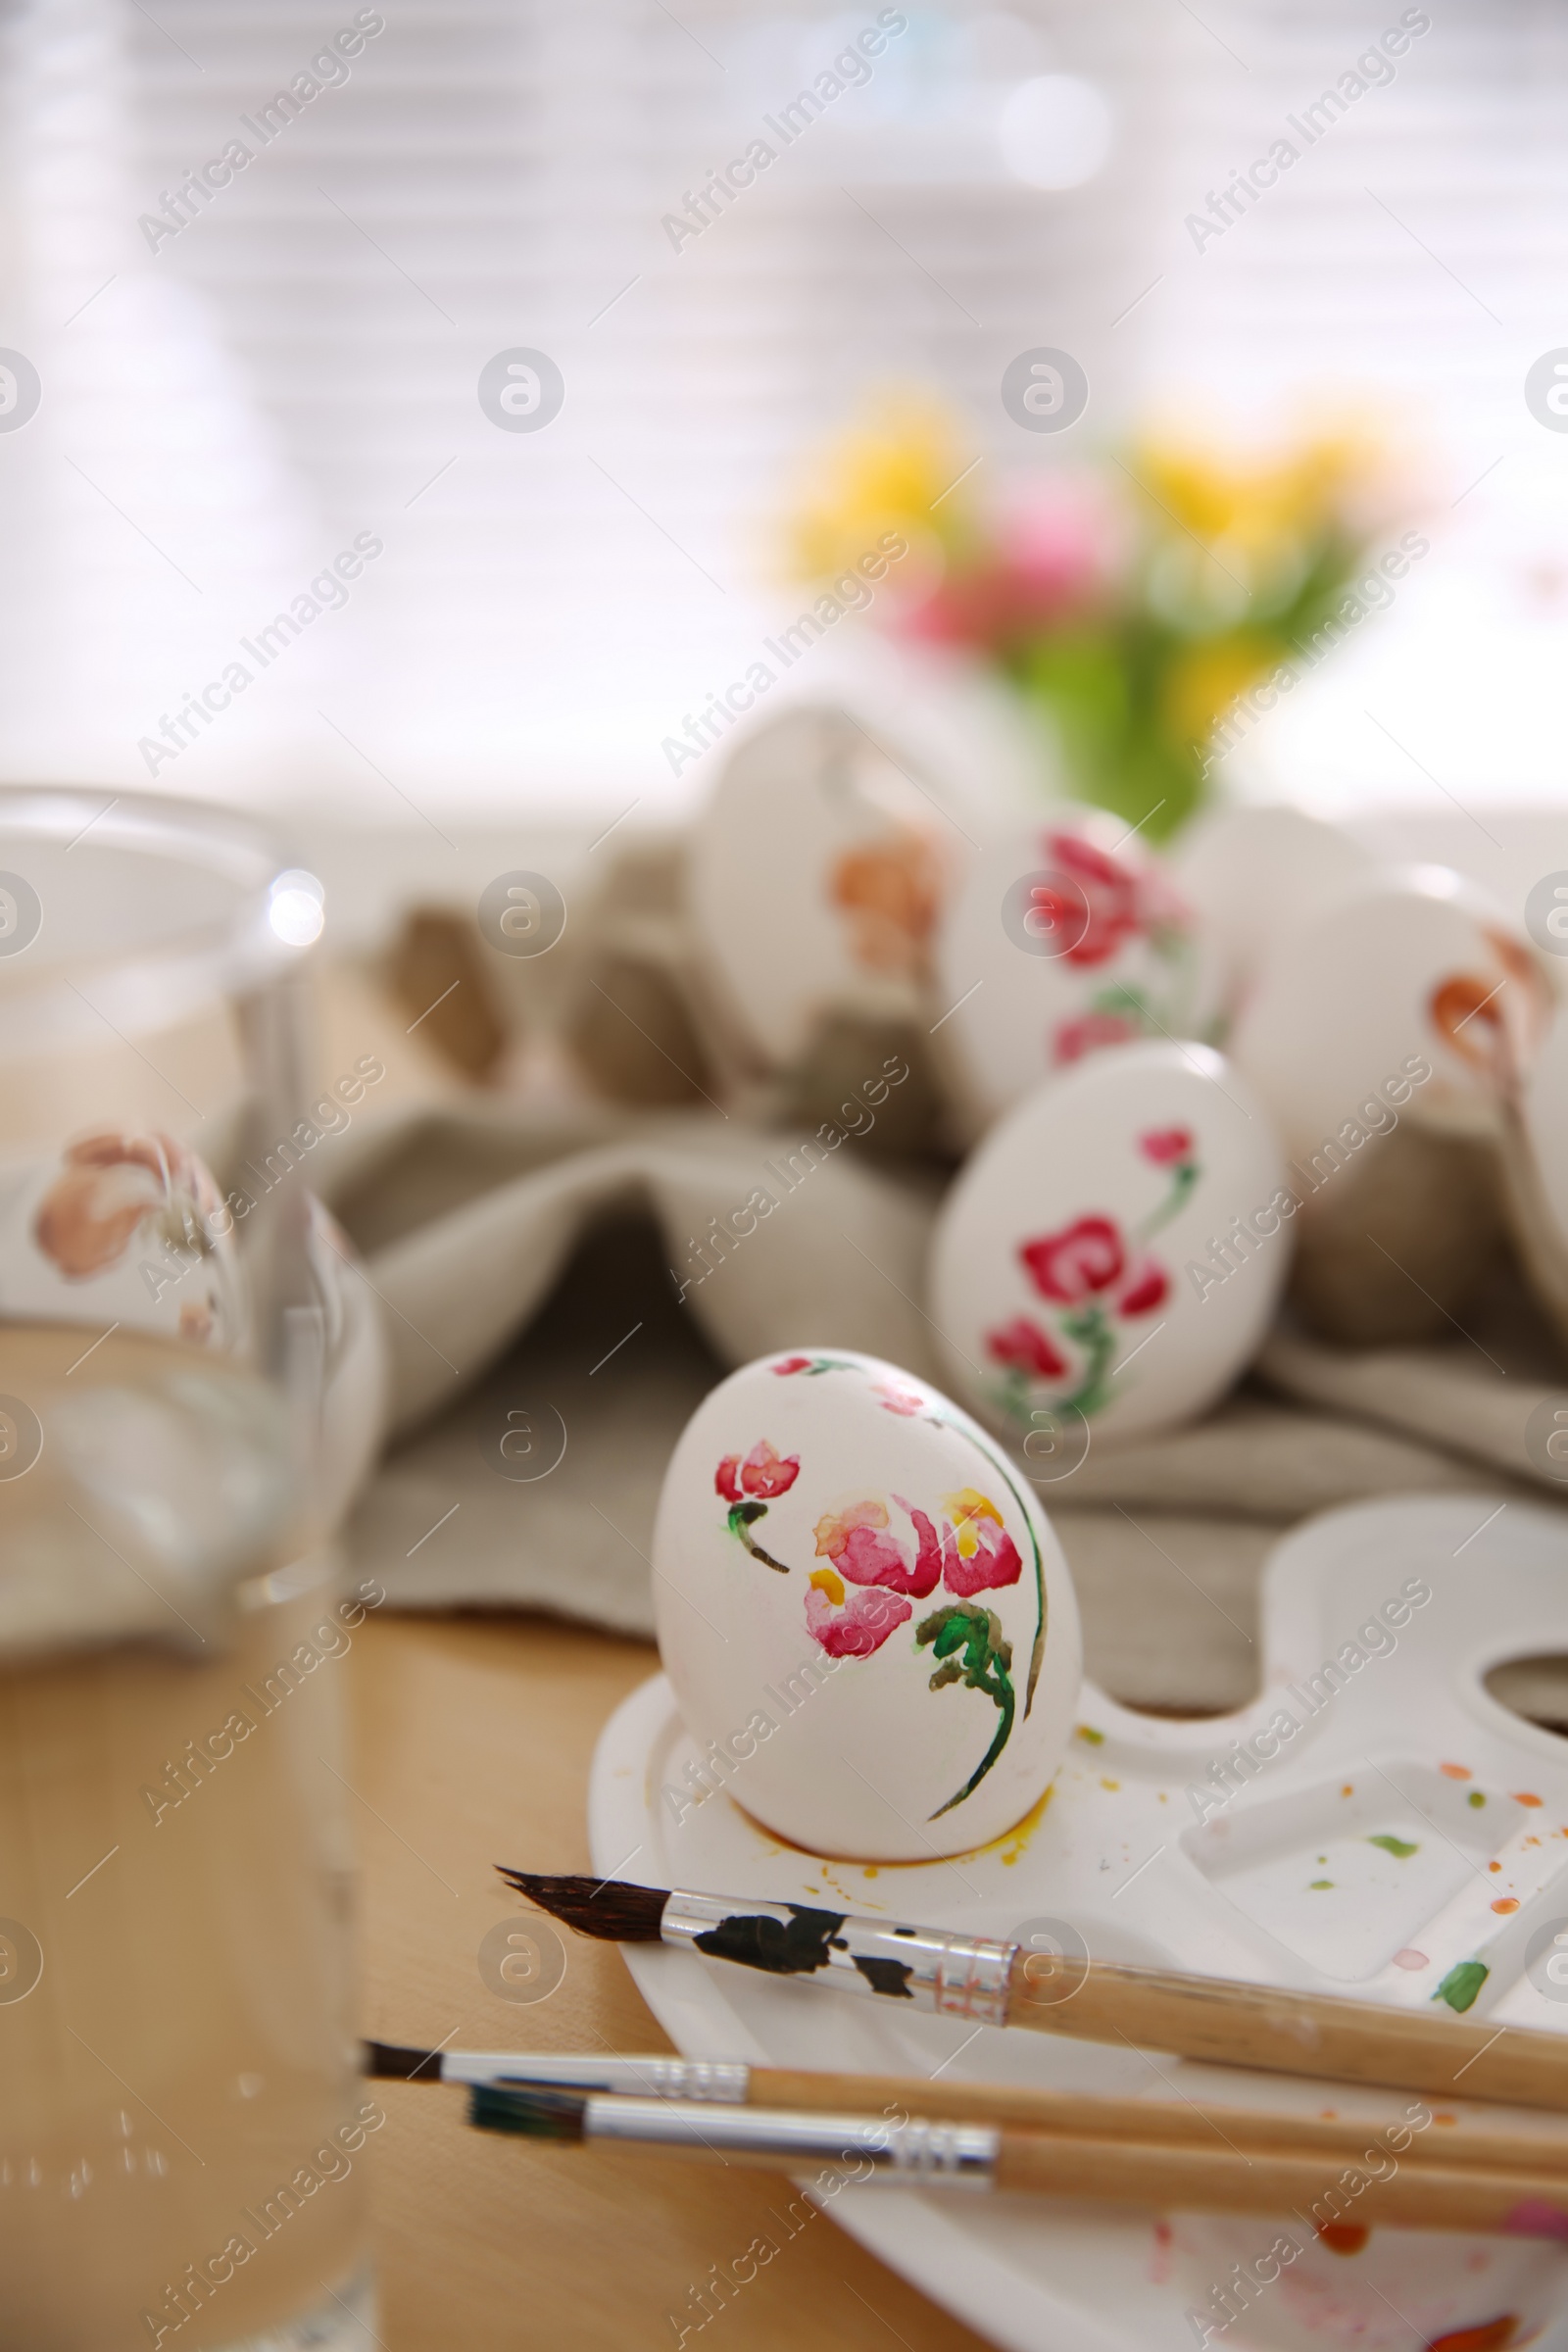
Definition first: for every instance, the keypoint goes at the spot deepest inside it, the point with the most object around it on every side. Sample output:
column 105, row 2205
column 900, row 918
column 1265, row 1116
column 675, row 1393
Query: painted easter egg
column 1545, row 1105
column 1252, row 875
column 817, row 871
column 125, row 1227
column 1112, row 1254
column 867, row 1620
column 1062, row 940
column 1412, row 989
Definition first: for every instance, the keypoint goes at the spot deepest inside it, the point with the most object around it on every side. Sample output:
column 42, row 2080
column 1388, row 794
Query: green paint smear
column 1402, row 1848
column 1475, row 1797
column 1317, row 1883
column 1461, row 1984
column 1095, row 1738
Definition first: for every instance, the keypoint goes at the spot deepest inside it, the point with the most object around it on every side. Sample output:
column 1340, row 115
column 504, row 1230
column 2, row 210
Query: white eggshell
column 1063, row 938
column 125, row 1227
column 816, row 873
column 1074, row 1272
column 1406, row 987
column 1545, row 1105
column 356, row 1368
column 1252, row 875
column 809, row 1683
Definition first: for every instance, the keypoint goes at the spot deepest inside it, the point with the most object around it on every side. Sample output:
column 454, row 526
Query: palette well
column 1334, row 1857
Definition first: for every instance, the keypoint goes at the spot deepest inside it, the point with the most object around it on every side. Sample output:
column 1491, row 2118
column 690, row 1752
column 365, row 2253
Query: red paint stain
column 1345, row 2237
column 1164, row 2234
column 1496, row 2337
column 1522, row 1797
column 1456, row 1772
column 1507, row 1902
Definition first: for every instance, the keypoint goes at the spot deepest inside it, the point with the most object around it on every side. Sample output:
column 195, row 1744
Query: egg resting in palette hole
column 866, row 1614
column 1111, row 1258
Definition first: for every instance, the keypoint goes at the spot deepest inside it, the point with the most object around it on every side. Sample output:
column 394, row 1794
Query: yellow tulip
column 884, row 475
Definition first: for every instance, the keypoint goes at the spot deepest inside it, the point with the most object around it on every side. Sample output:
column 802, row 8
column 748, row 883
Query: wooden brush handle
column 1164, row 2123
column 1230, row 2024
column 1199, row 2181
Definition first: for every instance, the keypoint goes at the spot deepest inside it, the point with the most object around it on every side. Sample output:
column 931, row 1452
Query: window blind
column 293, row 367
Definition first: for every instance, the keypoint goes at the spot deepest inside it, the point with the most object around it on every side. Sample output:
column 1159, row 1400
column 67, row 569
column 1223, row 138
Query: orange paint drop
column 1456, row 1772
column 1496, row 2337
column 1522, row 1797
column 1349, row 1790
column 1494, row 1865
column 1345, row 2237
column 1508, row 1902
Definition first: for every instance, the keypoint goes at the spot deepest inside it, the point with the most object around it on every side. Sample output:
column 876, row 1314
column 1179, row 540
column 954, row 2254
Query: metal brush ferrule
column 721, row 2081
column 912, row 2155
column 957, row 1976
column 713, row 2081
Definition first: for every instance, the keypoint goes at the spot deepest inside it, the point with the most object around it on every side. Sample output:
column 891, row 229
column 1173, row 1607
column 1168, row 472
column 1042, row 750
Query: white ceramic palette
column 1394, row 1760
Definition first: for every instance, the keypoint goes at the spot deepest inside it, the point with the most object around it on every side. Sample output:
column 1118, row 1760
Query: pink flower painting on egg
column 881, row 1553
column 749, row 1485
column 1101, row 905
column 1097, row 1279
column 972, row 1552
column 114, row 1185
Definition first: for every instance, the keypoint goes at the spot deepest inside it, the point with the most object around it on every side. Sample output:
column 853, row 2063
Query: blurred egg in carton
column 818, row 870
column 1113, row 1253
column 126, row 1228
column 1065, row 938
column 1388, row 1032
column 1253, row 874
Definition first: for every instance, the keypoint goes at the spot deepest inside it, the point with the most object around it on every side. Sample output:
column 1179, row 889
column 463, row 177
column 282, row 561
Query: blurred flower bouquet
column 1129, row 603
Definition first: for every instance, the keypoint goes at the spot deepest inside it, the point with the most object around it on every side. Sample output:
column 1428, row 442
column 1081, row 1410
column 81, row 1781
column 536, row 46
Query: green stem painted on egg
column 740, row 1518
column 968, row 1643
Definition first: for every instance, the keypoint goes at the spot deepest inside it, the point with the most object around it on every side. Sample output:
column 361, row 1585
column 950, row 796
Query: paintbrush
column 912, row 2153
column 998, row 1983
column 1171, row 2123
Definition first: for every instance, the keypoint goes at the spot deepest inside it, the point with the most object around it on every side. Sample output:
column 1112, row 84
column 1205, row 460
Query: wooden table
column 472, row 1742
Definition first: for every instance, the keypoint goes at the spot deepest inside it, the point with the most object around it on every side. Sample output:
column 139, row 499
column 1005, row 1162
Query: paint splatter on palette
column 1348, row 1854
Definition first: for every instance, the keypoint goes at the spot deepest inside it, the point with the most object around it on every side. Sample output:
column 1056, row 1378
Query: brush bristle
column 531, row 2114
column 612, row 1909
column 396, row 2062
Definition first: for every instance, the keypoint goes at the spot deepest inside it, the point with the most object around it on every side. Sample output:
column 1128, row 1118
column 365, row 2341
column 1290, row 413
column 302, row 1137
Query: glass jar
column 181, row 2122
